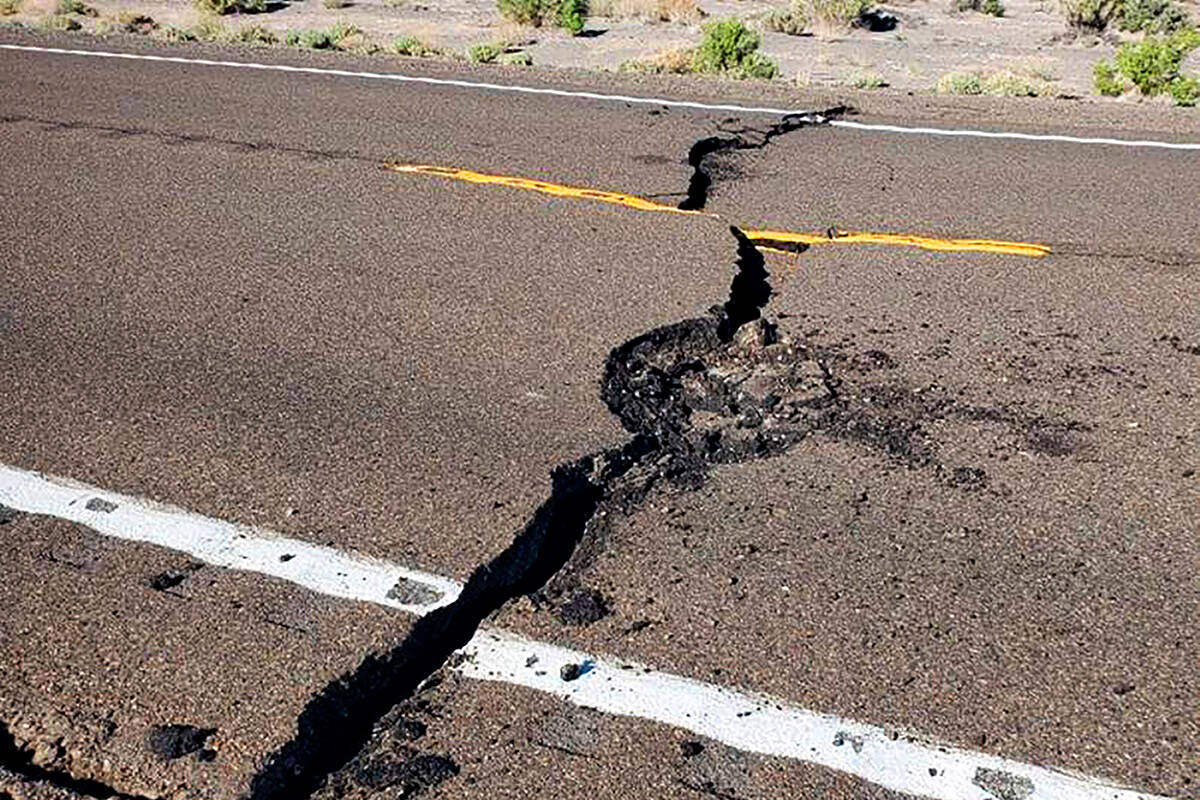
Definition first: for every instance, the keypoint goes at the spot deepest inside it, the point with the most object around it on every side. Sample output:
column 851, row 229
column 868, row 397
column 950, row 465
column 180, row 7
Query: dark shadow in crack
column 337, row 722
column 745, row 138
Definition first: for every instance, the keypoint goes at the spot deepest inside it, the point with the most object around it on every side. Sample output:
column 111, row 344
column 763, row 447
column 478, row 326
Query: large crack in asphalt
column 740, row 138
column 652, row 404
column 719, row 389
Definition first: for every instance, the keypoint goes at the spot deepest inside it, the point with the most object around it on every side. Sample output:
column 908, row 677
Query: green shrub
column 62, row 22
column 172, row 33
column 831, row 16
column 1152, row 65
column 210, row 29
column 1147, row 64
column 335, row 3
column 993, row 8
column 411, row 46
column 256, row 35
column 75, row 7
column 485, row 53
column 1151, row 16
column 1107, row 80
column 522, row 12
column 1094, row 15
column 10, row 7
column 1185, row 90
column 566, row 14
column 968, row 83
column 516, row 59
column 791, row 20
column 571, row 15
column 729, row 47
column 868, row 80
column 229, row 6
column 311, row 38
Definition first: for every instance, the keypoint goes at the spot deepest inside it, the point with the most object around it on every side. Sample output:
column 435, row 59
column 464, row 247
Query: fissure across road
column 654, row 384
column 702, row 178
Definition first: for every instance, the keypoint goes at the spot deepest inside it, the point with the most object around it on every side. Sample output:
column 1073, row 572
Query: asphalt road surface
column 946, row 499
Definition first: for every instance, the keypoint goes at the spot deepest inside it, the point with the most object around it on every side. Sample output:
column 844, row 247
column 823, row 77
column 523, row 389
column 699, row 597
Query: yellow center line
column 559, row 190
column 905, row 240
column 767, row 237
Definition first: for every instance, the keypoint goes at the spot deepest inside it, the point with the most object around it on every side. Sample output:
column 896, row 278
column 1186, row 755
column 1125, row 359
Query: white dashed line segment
column 743, row 720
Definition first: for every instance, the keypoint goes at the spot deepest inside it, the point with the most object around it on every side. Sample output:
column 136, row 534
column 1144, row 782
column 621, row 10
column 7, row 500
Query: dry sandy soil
column 930, row 40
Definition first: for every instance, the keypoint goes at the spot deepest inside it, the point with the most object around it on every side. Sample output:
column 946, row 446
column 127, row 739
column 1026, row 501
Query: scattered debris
column 170, row 742
column 415, row 593
column 1003, row 785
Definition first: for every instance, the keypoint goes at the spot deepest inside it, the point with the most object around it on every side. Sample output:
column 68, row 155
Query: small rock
column 750, row 417
column 570, row 672
column 169, row 742
column 413, row 593
column 46, row 753
column 754, row 336
column 585, row 607
column 691, row 748
column 1003, row 785
column 409, row 729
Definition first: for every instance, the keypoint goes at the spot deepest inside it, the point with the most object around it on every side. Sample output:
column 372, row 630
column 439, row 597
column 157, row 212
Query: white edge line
column 654, row 101
column 743, row 720
column 1026, row 137
column 393, row 76
column 321, row 569
column 761, row 724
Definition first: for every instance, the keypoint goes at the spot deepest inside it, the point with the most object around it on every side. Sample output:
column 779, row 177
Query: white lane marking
column 653, row 101
column 393, row 76
column 1025, row 137
column 761, row 724
column 744, row 720
column 321, row 569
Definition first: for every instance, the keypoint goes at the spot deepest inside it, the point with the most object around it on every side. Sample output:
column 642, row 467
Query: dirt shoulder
column 1031, row 46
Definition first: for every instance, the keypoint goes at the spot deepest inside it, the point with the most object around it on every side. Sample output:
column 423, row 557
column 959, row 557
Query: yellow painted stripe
column 907, row 240
column 642, row 204
column 556, row 189
column 774, row 251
